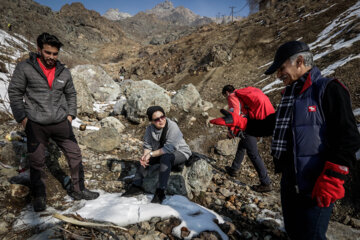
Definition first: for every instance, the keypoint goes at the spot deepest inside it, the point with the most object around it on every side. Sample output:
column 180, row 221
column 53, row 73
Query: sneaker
column 159, row 196
column 39, row 204
column 132, row 191
column 84, row 194
column 232, row 172
column 262, row 188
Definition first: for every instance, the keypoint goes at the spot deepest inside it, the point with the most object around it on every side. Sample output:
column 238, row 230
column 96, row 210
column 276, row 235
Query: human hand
column 69, row 118
column 23, row 122
column 144, row 161
column 329, row 185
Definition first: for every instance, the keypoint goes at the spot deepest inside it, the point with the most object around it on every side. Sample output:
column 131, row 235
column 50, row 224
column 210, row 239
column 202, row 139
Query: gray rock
column 119, row 106
column 188, row 99
column 340, row 231
column 3, row 227
column 104, row 140
column 19, row 191
column 355, row 223
column 225, row 192
column 111, row 122
column 141, row 95
column 191, row 181
column 96, row 81
column 10, row 153
column 227, row 147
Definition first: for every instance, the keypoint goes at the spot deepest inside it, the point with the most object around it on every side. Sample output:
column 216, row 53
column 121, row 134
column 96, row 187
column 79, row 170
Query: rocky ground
column 186, row 76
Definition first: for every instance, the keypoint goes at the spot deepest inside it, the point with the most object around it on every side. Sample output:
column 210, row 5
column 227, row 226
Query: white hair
column 307, row 56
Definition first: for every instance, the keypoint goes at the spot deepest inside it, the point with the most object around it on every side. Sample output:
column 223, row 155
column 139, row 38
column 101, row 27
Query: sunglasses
column 159, row 118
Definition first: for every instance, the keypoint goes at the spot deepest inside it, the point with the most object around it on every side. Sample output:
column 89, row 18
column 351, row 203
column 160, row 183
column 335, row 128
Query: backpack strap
column 163, row 135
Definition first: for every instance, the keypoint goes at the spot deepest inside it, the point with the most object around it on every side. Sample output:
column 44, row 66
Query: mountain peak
column 168, row 5
column 115, row 14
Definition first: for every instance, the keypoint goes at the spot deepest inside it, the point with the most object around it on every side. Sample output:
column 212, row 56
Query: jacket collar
column 59, row 67
column 309, row 77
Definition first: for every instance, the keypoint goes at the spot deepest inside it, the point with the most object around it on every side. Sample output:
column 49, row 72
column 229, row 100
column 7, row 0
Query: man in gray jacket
column 43, row 99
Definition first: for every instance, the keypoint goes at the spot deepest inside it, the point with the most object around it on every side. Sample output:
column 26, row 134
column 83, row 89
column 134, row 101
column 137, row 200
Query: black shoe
column 39, row 204
column 232, row 172
column 84, row 194
column 262, row 188
column 132, row 191
column 159, row 196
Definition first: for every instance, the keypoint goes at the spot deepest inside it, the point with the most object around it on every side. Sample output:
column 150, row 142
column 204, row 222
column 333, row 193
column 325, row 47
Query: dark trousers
column 37, row 141
column 166, row 161
column 249, row 144
column 303, row 219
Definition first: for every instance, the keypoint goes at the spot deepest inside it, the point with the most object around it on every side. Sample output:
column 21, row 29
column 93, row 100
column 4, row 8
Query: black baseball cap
column 284, row 52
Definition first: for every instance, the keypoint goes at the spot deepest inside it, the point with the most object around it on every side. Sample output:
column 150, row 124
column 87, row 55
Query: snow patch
column 331, row 68
column 111, row 207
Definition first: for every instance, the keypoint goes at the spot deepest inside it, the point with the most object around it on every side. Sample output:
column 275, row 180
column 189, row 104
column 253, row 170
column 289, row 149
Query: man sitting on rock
column 164, row 144
column 43, row 99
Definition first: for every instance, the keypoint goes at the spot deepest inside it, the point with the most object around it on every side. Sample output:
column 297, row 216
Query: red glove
column 329, row 185
column 231, row 120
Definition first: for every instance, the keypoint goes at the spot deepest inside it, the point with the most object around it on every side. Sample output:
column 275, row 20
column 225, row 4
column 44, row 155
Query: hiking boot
column 84, row 194
column 132, row 191
column 262, row 188
column 232, row 172
column 159, row 196
column 39, row 204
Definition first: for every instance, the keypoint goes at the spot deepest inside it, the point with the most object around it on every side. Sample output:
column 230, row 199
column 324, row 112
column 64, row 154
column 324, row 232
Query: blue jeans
column 249, row 144
column 303, row 219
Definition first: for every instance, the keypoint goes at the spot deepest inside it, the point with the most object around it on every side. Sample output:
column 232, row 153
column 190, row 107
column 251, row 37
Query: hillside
column 82, row 31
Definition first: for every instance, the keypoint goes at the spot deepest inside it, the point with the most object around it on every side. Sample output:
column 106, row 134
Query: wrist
column 151, row 154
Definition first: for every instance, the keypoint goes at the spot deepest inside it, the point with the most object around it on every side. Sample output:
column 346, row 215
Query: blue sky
column 209, row 8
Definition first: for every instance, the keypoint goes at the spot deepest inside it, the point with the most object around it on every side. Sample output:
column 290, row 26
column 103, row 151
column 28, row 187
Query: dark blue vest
column 308, row 129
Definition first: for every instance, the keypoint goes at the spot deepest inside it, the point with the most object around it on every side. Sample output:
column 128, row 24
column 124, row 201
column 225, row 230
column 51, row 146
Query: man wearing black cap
column 315, row 138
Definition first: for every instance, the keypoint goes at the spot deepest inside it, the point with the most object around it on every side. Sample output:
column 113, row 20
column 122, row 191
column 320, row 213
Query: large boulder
column 104, row 140
column 189, row 182
column 141, row 95
column 188, row 98
column 227, row 147
column 96, row 81
column 111, row 122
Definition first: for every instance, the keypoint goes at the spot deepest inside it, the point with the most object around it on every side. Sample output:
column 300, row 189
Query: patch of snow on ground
column 320, row 12
column 337, row 46
column 267, row 215
column 77, row 122
column 357, row 112
column 267, row 64
column 262, row 80
column 111, row 207
column 100, row 107
column 271, row 85
column 331, row 68
column 342, row 21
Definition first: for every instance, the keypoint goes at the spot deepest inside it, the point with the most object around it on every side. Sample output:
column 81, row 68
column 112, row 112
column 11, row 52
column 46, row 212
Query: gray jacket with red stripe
column 30, row 95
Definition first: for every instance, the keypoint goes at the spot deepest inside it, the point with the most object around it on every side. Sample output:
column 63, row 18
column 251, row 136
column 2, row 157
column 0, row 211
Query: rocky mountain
column 178, row 16
column 162, row 24
column 115, row 15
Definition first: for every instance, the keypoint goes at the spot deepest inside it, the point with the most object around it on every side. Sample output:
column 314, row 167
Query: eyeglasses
column 159, row 118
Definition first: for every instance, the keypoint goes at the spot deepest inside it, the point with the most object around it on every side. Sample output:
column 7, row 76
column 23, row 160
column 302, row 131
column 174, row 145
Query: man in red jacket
column 247, row 143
